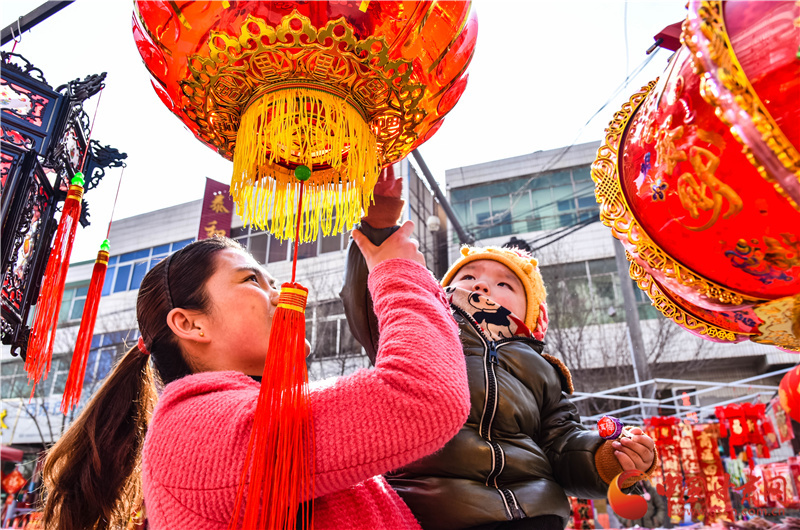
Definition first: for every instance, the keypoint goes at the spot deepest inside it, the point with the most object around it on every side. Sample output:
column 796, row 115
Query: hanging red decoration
column 77, row 368
column 43, row 330
column 13, row 482
column 277, row 478
column 339, row 89
column 699, row 176
column 789, row 394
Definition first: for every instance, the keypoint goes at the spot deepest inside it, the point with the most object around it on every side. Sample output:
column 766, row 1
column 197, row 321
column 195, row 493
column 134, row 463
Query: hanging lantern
column 699, row 176
column 343, row 88
column 789, row 394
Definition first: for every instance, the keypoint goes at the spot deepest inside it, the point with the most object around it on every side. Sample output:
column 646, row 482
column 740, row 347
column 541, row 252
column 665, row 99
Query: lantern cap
column 77, row 180
column 105, row 245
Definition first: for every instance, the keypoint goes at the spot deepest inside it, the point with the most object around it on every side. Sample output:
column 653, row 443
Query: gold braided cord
column 303, row 125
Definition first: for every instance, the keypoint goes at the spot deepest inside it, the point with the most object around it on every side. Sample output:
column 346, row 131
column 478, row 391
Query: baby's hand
column 634, row 452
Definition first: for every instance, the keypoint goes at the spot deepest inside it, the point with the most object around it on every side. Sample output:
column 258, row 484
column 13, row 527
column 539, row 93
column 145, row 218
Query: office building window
column 72, row 304
column 105, row 349
column 126, row 271
column 266, row 248
column 546, row 202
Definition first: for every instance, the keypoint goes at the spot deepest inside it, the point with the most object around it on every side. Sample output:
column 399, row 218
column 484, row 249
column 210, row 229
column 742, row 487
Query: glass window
column 105, row 363
column 240, row 231
column 481, row 211
column 330, row 243
column 307, row 250
column 139, row 254
column 60, row 382
column 139, row 270
column 123, row 274
column 77, row 309
column 325, row 344
column 8, row 368
column 108, row 281
column 66, row 304
column 258, row 247
column 277, row 250
column 180, row 244
column 161, row 249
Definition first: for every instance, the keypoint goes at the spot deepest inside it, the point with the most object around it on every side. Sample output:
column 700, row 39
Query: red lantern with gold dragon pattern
column 342, row 87
column 699, row 176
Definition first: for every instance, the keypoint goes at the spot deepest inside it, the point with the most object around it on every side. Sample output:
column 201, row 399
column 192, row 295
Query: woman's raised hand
column 399, row 245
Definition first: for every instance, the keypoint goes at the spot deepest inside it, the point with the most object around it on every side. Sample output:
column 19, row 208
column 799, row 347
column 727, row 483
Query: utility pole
column 641, row 368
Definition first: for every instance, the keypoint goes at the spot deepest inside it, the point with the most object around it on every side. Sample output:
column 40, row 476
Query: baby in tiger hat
column 523, row 448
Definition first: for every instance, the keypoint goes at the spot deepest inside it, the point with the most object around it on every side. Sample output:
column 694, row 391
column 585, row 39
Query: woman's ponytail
column 92, row 475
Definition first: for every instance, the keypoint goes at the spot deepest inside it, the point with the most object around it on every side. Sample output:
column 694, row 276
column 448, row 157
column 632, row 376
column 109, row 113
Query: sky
column 540, row 72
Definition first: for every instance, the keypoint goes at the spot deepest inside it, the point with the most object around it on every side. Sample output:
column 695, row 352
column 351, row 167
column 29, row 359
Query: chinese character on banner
column 215, row 216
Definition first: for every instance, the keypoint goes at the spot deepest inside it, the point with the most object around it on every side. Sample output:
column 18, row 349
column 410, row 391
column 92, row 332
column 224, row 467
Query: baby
column 522, row 449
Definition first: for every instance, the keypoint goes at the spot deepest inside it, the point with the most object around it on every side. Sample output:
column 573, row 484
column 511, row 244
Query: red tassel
column 43, row 331
column 751, row 462
column 77, row 368
column 278, row 475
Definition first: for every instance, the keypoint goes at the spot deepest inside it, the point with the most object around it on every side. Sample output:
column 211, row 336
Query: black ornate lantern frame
column 41, row 131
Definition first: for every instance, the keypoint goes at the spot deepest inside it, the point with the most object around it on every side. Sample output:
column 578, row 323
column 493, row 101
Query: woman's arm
column 413, row 401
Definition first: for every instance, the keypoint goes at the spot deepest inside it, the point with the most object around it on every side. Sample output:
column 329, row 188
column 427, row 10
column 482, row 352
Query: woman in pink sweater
column 205, row 314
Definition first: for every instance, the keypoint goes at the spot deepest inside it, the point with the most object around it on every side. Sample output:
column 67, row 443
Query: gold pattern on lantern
column 780, row 323
column 732, row 76
column 616, row 214
column 707, row 194
column 666, row 152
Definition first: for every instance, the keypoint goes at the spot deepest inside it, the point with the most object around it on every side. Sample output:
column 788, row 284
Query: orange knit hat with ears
column 520, row 263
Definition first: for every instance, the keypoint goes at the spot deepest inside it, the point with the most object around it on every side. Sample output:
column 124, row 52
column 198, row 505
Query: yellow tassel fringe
column 301, row 125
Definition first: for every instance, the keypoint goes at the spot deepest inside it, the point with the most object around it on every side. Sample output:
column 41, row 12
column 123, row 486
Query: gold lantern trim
column 274, row 98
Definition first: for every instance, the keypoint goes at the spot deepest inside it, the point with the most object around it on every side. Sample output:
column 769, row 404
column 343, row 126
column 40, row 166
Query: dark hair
column 93, row 474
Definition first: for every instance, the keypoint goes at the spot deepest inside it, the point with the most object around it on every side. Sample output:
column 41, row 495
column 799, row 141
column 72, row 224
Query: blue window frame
column 126, row 271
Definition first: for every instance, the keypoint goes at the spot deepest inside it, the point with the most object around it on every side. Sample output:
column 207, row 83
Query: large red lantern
column 699, row 176
column 343, row 88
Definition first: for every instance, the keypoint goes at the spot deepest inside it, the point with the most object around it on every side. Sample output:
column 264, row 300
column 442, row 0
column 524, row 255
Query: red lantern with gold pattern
column 343, row 88
column 699, row 176
column 789, row 394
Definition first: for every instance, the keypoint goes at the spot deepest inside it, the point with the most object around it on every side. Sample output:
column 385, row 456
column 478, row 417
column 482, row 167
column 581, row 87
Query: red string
column 297, row 229
column 114, row 206
column 88, row 140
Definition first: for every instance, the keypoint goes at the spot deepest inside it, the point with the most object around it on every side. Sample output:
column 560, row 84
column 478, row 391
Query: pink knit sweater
column 409, row 405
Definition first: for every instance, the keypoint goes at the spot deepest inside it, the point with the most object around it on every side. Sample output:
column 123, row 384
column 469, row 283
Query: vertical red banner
column 217, row 210
column 718, row 500
column 666, row 437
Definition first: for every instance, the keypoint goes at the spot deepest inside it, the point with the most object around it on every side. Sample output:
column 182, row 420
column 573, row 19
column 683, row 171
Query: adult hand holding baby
column 398, row 245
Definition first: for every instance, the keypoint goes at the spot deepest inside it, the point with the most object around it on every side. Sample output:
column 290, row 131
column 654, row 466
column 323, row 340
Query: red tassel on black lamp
column 278, row 475
column 77, row 368
column 43, row 330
